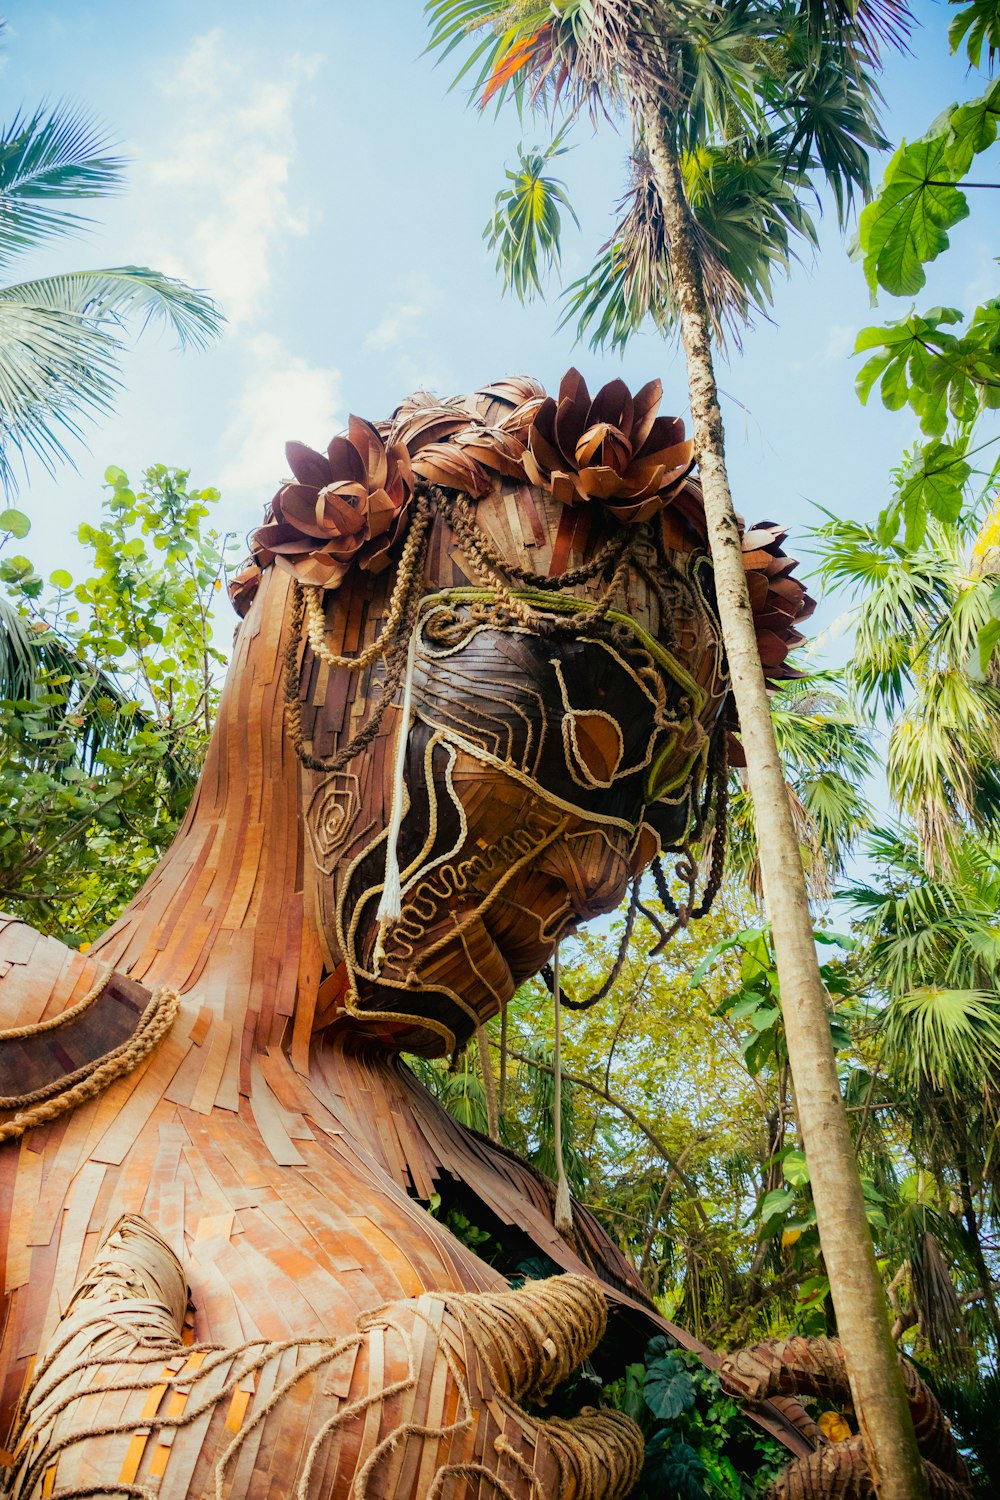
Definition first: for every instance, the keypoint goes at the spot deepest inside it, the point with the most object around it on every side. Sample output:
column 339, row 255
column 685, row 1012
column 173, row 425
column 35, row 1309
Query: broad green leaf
column 674, row 1468
column 795, row 1168
column 907, row 224
column 668, row 1389
column 16, row 522
column 981, row 22
column 974, row 126
column 777, row 1201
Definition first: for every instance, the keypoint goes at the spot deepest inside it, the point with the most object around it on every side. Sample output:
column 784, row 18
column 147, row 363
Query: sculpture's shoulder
column 39, row 976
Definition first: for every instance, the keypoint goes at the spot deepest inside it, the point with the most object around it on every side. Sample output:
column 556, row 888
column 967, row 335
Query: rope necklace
column 55, row 1099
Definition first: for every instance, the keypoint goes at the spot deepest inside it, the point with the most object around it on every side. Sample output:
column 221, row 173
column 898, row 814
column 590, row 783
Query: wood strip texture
column 220, row 1274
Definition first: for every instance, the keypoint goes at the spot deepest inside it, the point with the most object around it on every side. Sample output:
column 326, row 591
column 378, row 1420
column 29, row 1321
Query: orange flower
column 346, row 505
column 614, row 449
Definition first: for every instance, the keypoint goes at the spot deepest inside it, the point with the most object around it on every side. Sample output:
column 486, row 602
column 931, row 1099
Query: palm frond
column 526, row 226
column 54, row 367
column 46, row 158
column 830, row 119
column 941, row 760
column 37, row 666
column 864, row 26
column 947, row 1038
column 59, row 351
column 115, row 294
column 17, row 656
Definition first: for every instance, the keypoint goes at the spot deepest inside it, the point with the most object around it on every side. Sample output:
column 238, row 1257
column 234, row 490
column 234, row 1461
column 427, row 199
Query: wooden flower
column 779, row 601
column 613, row 449
column 346, row 506
column 243, row 586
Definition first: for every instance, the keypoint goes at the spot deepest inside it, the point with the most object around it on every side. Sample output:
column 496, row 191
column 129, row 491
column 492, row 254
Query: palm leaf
column 45, row 158
column 59, row 356
column 947, row 1038
column 17, row 656
column 116, row 293
column 526, row 225
column 54, row 367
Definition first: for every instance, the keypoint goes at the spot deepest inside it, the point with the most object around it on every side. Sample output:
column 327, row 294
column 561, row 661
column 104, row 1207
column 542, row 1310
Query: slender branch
column 624, row 1109
column 668, row 1183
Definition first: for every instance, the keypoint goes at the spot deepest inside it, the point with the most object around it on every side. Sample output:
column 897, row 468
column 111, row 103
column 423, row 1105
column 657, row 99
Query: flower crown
column 350, row 506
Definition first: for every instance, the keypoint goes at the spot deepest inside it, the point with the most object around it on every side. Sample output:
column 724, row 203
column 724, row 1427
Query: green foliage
column 917, row 623
column 525, row 226
column 938, row 373
column 948, row 375
column 699, row 1444
column 979, row 24
column 109, row 691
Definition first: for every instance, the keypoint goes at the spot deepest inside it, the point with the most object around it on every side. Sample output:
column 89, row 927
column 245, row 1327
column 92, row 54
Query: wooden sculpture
column 478, row 688
column 816, row 1367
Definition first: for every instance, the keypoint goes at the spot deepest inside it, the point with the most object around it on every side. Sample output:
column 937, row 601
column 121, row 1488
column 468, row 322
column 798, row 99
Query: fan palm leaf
column 826, row 758
column 946, row 1038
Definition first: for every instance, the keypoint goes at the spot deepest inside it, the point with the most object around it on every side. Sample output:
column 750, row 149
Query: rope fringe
column 564, row 1203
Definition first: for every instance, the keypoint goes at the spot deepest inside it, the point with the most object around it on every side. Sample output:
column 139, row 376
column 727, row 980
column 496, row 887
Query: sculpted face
column 536, row 677
column 546, row 760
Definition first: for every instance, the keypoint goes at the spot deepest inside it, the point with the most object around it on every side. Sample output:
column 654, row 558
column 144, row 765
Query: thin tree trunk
column 978, row 1258
column 489, row 1084
column 859, row 1299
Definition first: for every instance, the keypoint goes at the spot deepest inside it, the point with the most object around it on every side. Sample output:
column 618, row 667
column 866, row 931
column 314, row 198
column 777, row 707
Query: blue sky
column 305, row 163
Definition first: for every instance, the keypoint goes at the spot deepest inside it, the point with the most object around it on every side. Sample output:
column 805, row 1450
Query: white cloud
column 219, row 194
column 407, row 330
column 282, row 397
column 839, row 344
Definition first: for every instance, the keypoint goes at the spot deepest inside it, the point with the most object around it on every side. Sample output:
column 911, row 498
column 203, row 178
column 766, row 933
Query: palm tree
column 826, row 758
column 917, row 622
column 708, row 92
column 60, row 336
column 932, row 947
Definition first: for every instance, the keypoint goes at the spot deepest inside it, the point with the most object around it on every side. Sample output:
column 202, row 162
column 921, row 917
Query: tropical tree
column 61, row 335
column 108, row 688
column 932, row 949
column 918, row 616
column 759, row 101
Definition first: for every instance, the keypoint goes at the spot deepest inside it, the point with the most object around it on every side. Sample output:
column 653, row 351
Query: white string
column 563, row 1217
column 390, row 906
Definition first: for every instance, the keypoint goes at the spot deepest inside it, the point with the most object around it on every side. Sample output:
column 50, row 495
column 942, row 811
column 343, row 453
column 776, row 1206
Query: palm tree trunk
column 976, row 1249
column 859, row 1300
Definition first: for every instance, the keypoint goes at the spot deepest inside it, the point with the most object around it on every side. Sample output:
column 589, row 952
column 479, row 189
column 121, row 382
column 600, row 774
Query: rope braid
column 717, row 791
column 548, row 973
column 495, row 572
column 406, row 604
column 528, row 1342
column 57, row 1098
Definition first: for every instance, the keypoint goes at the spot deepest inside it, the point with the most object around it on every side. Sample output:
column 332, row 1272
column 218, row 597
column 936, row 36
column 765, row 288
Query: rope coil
column 44, row 1104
